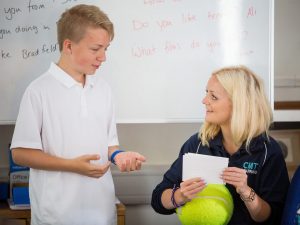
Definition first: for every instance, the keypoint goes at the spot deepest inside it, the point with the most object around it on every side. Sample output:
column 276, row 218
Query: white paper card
column 207, row 167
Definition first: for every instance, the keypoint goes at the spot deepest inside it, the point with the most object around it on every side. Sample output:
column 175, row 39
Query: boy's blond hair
column 74, row 22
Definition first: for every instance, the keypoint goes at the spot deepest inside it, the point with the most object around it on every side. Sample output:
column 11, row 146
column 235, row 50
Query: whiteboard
column 160, row 60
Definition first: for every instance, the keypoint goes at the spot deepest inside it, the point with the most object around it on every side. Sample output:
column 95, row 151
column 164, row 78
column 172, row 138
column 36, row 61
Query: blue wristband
column 113, row 155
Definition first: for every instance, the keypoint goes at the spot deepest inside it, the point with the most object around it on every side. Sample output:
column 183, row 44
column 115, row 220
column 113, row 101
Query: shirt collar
column 255, row 144
column 67, row 80
column 217, row 140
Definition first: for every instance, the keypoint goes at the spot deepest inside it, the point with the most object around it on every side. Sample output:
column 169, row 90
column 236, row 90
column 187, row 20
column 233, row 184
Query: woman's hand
column 189, row 189
column 258, row 208
column 236, row 177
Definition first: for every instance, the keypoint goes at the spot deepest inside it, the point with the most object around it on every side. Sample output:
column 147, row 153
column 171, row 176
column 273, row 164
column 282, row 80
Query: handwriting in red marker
column 171, row 47
column 142, row 51
column 153, row 2
column 186, row 18
column 251, row 12
column 212, row 45
column 214, row 15
column 195, row 44
column 138, row 24
column 163, row 24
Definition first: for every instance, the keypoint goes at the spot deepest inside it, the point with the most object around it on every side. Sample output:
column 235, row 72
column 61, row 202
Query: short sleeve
column 27, row 133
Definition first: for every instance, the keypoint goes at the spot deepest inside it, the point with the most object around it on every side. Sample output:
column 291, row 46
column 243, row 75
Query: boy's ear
column 67, row 46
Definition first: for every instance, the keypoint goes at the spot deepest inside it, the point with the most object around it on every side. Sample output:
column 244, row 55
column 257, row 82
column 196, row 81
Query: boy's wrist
column 113, row 155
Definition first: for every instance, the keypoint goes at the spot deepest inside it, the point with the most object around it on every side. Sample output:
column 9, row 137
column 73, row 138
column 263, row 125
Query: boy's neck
column 80, row 78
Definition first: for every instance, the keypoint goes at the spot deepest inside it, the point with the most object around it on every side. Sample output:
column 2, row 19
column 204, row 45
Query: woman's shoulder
column 267, row 147
column 262, row 141
column 194, row 139
column 273, row 143
column 191, row 144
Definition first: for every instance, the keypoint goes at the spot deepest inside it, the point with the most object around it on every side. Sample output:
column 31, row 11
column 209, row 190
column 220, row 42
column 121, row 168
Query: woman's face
column 217, row 102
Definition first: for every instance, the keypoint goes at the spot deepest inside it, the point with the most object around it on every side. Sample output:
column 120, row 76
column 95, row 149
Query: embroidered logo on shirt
column 250, row 167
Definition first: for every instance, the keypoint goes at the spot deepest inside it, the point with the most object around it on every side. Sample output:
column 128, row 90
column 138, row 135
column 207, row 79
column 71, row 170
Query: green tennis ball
column 212, row 206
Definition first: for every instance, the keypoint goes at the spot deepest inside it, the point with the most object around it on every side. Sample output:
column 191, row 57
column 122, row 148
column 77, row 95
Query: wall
column 287, row 50
column 286, row 57
column 6, row 132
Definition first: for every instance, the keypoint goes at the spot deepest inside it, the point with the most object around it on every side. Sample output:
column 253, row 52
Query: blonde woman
column 238, row 116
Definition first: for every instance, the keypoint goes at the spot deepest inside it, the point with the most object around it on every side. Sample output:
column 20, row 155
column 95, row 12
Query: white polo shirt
column 62, row 118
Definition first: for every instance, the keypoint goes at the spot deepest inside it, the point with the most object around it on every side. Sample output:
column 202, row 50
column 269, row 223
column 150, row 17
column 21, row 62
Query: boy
column 66, row 131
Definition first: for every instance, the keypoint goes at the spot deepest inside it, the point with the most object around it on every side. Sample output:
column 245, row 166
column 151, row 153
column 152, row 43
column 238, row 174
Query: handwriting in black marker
column 5, row 55
column 4, row 32
column 10, row 12
column 35, row 7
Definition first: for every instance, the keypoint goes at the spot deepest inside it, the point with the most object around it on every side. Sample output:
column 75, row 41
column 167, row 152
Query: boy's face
column 87, row 55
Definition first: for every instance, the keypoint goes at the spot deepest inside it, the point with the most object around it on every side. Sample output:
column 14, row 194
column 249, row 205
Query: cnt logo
column 250, row 167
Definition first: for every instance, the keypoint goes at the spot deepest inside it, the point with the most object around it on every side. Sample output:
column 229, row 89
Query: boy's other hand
column 84, row 166
column 129, row 161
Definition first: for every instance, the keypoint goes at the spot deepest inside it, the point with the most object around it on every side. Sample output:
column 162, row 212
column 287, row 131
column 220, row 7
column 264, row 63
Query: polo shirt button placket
column 83, row 104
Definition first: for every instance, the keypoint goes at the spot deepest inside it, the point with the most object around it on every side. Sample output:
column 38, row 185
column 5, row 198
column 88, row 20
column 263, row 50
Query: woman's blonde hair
column 74, row 22
column 251, row 110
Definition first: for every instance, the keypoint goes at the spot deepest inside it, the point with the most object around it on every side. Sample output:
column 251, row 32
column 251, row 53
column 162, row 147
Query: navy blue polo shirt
column 266, row 170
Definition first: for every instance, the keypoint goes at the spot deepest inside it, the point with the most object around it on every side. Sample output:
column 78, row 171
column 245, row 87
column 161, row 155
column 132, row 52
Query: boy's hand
column 129, row 161
column 84, row 166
